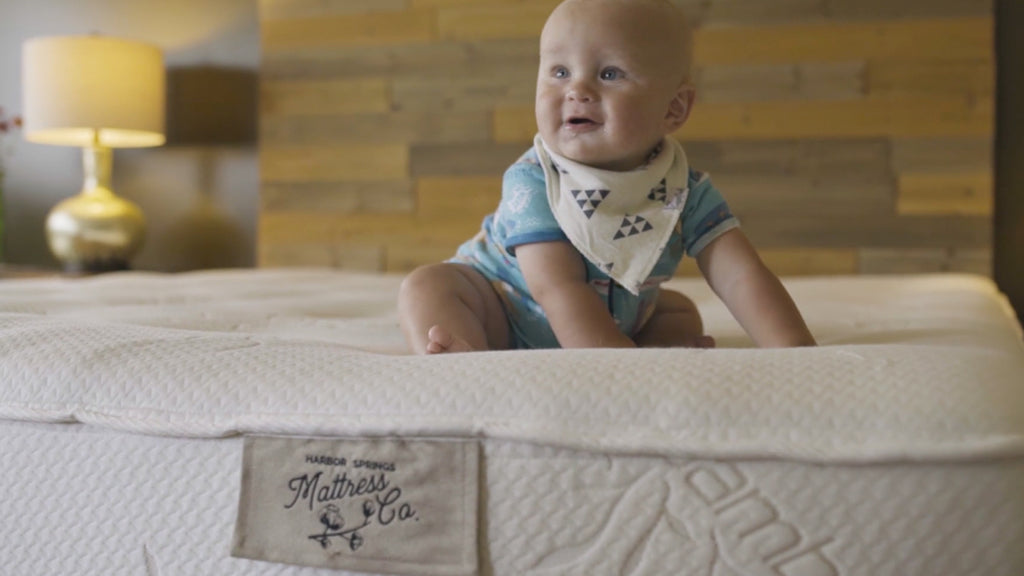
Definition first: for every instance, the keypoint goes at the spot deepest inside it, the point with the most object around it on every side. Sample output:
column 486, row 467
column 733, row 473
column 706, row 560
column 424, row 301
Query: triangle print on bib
column 589, row 200
column 631, row 226
column 619, row 221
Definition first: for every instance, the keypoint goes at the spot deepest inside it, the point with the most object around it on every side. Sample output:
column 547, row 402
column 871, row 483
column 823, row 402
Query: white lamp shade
column 76, row 88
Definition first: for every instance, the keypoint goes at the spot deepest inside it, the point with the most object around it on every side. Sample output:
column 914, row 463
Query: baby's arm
column 753, row 294
column 557, row 278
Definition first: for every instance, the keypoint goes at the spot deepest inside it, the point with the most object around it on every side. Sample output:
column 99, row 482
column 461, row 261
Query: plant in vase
column 7, row 124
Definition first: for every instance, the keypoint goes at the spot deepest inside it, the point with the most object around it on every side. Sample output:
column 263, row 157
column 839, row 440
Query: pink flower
column 8, row 124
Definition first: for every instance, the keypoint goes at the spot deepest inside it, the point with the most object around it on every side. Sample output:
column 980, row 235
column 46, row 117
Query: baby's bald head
column 658, row 27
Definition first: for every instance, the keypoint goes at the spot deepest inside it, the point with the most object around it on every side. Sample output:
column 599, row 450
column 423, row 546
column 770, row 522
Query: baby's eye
column 612, row 74
column 560, row 72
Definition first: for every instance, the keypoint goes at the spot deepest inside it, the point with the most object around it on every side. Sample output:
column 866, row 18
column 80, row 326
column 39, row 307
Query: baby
column 599, row 212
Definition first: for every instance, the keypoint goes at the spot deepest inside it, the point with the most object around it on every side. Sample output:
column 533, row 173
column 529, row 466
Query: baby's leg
column 451, row 308
column 675, row 323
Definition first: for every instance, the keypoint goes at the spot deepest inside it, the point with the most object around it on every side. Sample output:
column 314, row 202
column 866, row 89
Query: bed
column 138, row 412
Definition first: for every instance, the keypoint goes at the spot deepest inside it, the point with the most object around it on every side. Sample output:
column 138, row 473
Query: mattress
column 128, row 402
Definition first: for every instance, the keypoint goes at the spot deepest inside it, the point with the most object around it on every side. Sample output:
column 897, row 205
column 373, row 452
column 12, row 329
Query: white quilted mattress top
column 910, row 368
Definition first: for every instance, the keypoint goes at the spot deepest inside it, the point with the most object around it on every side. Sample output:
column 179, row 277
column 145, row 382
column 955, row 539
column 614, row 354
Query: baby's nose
column 581, row 91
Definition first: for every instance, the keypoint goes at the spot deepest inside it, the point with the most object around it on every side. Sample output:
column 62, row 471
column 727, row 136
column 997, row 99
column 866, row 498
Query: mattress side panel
column 87, row 500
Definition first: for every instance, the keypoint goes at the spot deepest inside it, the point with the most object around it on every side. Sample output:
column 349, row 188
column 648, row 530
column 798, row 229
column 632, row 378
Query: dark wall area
column 1009, row 157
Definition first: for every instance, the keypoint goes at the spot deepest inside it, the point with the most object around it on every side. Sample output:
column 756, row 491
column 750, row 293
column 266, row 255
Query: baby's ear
column 679, row 108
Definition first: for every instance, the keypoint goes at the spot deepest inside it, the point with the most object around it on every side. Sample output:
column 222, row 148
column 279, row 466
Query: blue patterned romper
column 524, row 216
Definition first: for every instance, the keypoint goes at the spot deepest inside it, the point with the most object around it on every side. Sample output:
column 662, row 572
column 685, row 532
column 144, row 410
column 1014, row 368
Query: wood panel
column 344, row 197
column 850, row 136
column 438, row 199
column 942, row 40
column 895, row 117
column 370, row 28
column 490, row 20
column 294, row 9
column 768, row 82
column 325, row 97
column 411, row 128
column 473, row 92
column 442, row 59
column 896, row 261
column 935, row 193
column 334, row 163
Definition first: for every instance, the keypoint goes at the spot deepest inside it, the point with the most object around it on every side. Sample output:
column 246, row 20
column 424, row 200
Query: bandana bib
column 619, row 221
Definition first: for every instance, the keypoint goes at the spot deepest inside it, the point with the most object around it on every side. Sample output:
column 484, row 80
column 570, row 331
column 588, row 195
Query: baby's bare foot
column 443, row 341
column 703, row 341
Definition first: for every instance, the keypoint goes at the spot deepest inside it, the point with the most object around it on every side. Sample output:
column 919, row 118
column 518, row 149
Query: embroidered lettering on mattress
column 704, row 518
column 325, row 460
column 371, row 465
column 384, row 508
column 749, row 531
column 381, row 505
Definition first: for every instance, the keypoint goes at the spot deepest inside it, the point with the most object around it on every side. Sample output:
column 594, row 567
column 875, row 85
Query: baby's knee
column 675, row 302
column 444, row 280
column 423, row 279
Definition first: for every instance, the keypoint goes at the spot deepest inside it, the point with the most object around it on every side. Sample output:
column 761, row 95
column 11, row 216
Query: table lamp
column 98, row 93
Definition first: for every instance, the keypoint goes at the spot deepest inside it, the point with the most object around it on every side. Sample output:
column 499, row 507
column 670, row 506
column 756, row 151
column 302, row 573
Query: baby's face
column 608, row 73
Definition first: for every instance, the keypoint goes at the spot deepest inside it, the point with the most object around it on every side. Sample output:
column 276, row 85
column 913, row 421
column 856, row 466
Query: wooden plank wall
column 850, row 136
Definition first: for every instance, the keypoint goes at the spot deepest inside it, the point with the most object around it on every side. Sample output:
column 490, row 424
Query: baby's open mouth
column 579, row 121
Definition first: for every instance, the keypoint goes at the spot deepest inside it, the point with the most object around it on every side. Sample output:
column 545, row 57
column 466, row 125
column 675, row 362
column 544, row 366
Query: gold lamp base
column 95, row 231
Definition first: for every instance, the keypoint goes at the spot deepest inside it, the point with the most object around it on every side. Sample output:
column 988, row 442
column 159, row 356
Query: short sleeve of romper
column 706, row 215
column 524, row 215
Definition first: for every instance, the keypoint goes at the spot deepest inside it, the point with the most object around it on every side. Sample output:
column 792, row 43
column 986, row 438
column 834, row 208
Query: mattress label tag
column 385, row 505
